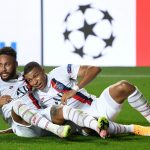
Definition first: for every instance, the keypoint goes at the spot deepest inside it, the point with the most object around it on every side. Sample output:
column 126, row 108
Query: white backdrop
column 109, row 41
column 58, row 49
column 20, row 23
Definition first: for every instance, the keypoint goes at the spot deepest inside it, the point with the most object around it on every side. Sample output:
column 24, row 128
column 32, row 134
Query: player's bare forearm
column 67, row 95
column 87, row 74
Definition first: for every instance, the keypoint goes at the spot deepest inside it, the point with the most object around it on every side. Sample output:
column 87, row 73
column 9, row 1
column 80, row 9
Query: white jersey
column 59, row 81
column 16, row 88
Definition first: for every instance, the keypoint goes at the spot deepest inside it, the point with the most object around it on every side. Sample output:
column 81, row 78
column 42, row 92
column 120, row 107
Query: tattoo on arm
column 54, row 111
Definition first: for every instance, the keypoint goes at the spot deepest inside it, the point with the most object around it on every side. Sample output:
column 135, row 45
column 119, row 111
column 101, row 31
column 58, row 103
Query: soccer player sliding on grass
column 61, row 86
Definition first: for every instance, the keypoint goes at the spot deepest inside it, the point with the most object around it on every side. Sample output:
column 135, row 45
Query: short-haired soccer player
column 61, row 85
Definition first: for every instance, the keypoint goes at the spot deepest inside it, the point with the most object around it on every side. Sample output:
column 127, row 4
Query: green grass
column 126, row 116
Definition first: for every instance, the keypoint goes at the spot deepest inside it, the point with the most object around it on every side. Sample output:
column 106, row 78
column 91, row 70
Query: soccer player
column 13, row 87
column 61, row 85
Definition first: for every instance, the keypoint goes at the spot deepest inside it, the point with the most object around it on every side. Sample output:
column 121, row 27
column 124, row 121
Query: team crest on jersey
column 59, row 86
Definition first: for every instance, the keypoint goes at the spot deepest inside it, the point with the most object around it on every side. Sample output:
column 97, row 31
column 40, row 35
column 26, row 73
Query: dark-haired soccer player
column 61, row 85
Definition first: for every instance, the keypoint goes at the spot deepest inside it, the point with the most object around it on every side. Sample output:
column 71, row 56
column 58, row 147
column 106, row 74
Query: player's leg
column 106, row 106
column 125, row 90
column 140, row 103
column 22, row 114
column 115, row 128
column 121, row 90
column 79, row 117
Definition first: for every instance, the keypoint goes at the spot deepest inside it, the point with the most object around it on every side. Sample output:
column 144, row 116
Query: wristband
column 76, row 88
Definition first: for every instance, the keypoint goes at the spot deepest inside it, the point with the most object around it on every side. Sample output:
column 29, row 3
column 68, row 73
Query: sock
column 80, row 118
column 140, row 103
column 32, row 117
column 115, row 128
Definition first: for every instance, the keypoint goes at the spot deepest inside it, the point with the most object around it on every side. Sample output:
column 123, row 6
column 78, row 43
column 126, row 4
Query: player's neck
column 15, row 76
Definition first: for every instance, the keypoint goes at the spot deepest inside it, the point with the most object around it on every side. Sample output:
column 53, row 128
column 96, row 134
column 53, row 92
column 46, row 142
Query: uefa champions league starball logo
column 88, row 31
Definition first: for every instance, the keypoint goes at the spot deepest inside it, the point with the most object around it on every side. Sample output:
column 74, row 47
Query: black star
column 107, row 16
column 66, row 34
column 109, row 41
column 79, row 51
column 83, row 8
column 87, row 29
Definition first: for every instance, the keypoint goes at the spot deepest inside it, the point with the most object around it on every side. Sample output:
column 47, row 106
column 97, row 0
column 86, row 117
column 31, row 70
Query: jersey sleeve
column 73, row 70
column 66, row 72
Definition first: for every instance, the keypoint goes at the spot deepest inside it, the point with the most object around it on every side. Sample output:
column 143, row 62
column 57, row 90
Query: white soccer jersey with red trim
column 16, row 88
column 59, row 81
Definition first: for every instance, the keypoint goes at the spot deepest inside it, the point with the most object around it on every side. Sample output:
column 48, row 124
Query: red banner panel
column 143, row 32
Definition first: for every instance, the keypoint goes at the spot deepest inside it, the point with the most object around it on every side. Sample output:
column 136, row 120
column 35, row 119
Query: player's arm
column 86, row 74
column 5, row 99
column 6, row 131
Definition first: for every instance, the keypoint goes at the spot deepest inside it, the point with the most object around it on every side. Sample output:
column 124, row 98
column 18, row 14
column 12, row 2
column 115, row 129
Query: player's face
column 8, row 66
column 36, row 78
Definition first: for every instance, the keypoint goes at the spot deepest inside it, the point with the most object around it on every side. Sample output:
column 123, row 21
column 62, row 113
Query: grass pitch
column 138, row 76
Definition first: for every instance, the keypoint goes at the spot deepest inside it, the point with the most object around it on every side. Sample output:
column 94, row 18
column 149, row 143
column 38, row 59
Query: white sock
column 115, row 128
column 32, row 117
column 80, row 118
column 140, row 103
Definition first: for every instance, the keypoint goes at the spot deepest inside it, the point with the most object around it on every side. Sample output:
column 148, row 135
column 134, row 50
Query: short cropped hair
column 8, row 51
column 29, row 66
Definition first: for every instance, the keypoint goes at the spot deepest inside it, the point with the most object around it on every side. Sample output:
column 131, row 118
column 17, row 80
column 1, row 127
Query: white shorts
column 105, row 106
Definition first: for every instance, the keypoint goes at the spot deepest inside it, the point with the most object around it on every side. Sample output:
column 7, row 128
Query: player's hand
column 67, row 95
column 5, row 99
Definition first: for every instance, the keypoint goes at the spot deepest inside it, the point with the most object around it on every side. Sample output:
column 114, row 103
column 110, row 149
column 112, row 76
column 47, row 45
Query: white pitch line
column 125, row 76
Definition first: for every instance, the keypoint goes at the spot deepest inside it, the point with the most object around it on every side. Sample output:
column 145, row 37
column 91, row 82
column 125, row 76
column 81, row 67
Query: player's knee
column 15, row 112
column 16, row 105
column 56, row 115
column 125, row 87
